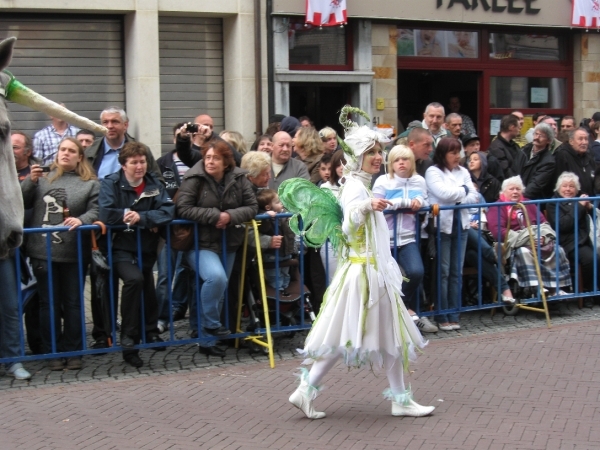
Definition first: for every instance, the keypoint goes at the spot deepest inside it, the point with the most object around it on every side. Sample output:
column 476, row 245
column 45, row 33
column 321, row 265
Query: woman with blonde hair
column 329, row 138
column 67, row 196
column 309, row 147
column 407, row 191
column 235, row 139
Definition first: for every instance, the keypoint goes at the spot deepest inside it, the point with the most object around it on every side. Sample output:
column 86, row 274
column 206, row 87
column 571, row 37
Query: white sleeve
column 447, row 192
column 356, row 204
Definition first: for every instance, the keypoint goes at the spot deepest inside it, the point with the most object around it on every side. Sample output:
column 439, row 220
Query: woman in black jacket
column 137, row 198
column 218, row 196
column 487, row 185
column 562, row 217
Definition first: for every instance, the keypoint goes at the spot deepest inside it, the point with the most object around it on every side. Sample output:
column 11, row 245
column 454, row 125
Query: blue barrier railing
column 425, row 306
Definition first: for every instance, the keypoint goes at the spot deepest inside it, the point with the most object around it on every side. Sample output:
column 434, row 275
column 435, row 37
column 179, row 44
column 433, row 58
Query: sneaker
column 162, row 326
column 18, row 372
column 425, row 325
column 455, row 326
column 74, row 364
column 446, row 327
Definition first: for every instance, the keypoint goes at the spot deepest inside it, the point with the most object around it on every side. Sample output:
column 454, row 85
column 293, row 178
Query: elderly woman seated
column 506, row 219
column 574, row 237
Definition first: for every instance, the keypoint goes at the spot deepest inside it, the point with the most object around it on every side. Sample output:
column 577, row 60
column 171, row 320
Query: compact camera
column 191, row 127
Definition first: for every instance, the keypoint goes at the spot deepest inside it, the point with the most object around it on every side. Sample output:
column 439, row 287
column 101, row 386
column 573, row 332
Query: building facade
column 495, row 56
column 162, row 61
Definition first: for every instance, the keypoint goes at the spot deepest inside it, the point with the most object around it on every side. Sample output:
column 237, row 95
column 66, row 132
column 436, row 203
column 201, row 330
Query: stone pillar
column 238, row 71
column 142, row 82
column 586, row 75
column 385, row 67
column 281, row 61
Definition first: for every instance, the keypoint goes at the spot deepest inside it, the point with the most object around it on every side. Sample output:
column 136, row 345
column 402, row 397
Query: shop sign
column 495, row 6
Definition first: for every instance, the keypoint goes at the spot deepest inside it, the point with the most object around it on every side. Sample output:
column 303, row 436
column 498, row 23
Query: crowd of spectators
column 71, row 178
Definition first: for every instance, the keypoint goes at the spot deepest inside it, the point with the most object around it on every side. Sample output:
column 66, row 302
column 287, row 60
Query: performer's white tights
column 393, row 368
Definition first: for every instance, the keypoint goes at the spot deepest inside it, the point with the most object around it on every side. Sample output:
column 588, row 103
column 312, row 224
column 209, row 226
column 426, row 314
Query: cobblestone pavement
column 501, row 383
column 186, row 357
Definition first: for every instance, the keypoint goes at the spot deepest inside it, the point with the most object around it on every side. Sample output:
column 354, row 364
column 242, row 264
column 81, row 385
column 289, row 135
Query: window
column 528, row 92
column 316, row 48
column 539, row 47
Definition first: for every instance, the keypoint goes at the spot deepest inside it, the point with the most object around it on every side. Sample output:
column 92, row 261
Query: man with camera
column 202, row 137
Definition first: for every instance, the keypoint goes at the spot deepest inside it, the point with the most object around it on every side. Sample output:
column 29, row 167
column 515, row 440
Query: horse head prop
column 11, row 200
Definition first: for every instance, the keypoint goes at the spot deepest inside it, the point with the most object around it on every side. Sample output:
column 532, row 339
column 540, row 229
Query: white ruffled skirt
column 364, row 318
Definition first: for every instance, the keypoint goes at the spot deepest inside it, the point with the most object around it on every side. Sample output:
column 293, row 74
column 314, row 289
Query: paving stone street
column 499, row 383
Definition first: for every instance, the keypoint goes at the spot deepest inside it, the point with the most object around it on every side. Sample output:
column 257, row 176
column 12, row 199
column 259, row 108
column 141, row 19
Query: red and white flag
column 326, row 13
column 586, row 13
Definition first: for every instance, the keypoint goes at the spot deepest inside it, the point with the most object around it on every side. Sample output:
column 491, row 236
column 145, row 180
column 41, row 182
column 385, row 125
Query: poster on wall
column 431, row 43
column 437, row 43
column 462, row 44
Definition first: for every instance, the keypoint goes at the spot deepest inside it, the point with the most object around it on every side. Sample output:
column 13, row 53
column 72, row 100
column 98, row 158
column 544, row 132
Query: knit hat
column 290, row 125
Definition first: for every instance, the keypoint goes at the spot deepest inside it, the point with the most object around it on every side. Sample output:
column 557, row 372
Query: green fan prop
column 319, row 210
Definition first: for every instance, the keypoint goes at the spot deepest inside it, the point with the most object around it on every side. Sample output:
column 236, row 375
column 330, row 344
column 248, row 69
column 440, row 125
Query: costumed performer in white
column 363, row 318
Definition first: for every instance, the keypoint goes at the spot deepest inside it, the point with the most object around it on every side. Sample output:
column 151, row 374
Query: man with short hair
column 552, row 122
column 538, row 172
column 433, row 118
column 45, row 141
column 573, row 156
column 23, row 150
column 421, row 144
column 190, row 150
column 520, row 139
column 509, row 155
column 454, row 125
column 103, row 154
column 468, row 127
column 567, row 123
column 283, row 166
column 86, row 138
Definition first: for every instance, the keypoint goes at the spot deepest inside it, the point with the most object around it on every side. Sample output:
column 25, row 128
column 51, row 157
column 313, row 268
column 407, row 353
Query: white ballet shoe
column 404, row 405
column 303, row 397
column 411, row 409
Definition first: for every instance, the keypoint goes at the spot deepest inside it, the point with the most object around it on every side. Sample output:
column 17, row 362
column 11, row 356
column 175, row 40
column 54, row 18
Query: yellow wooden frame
column 257, row 339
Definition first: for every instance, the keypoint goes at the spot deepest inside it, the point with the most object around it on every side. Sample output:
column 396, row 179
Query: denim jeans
column 66, row 302
column 9, row 310
column 179, row 278
column 409, row 259
column 489, row 268
column 212, row 282
column 452, row 256
column 276, row 280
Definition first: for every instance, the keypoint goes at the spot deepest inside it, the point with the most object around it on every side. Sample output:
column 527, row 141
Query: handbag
column 182, row 237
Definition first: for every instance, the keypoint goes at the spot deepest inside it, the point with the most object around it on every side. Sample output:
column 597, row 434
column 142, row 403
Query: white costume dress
column 363, row 317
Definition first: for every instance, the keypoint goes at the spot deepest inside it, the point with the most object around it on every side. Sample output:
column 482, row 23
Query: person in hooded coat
column 487, row 185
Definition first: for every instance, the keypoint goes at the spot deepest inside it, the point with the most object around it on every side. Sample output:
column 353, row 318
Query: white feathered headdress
column 359, row 139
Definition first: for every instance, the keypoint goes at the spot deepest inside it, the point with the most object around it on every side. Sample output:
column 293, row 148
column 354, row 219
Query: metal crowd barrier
column 424, row 306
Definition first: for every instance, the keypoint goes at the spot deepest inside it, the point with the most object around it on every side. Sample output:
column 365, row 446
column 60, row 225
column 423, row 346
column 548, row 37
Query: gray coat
column 47, row 200
column 292, row 169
